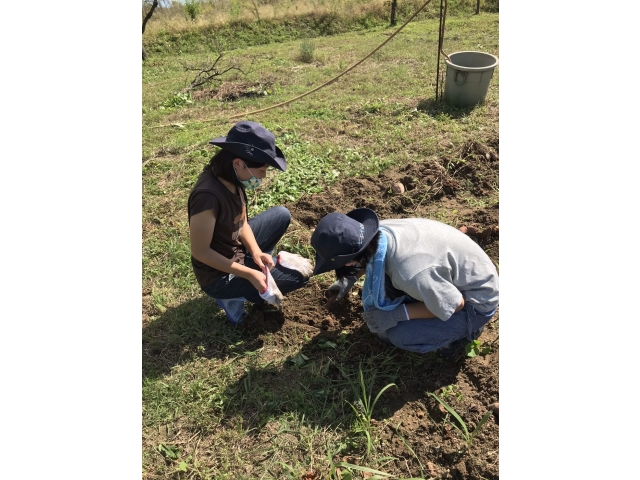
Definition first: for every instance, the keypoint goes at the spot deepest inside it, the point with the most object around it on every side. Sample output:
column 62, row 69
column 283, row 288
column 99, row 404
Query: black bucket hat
column 339, row 238
column 251, row 141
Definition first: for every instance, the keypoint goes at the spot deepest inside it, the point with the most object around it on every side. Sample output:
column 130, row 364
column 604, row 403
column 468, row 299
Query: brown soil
column 453, row 190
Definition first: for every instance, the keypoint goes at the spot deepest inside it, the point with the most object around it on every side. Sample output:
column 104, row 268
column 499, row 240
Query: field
column 293, row 394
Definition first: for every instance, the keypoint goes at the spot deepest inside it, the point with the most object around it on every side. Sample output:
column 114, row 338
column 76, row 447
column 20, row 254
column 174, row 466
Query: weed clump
column 307, row 50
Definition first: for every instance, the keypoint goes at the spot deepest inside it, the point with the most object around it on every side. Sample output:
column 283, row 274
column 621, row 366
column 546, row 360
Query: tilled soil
column 455, row 191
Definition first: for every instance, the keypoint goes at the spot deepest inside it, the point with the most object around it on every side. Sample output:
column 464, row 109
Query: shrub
column 192, row 7
column 306, row 51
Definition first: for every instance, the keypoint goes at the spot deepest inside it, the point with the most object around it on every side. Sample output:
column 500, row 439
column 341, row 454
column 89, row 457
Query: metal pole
column 439, row 49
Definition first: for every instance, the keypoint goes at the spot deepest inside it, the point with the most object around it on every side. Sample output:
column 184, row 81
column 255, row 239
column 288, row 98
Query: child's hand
column 264, row 260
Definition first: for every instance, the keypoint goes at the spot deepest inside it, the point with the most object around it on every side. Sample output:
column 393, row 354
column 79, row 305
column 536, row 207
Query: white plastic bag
column 272, row 294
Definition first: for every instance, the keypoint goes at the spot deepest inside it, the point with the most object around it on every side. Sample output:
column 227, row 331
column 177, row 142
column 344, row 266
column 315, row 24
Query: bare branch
column 208, row 73
column 191, row 68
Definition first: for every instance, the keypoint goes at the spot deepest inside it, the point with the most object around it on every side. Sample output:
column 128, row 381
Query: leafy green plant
column 178, row 100
column 192, row 8
column 468, row 437
column 475, row 348
column 372, row 107
column 299, row 360
column 172, row 453
column 235, row 9
column 324, row 344
column 451, row 390
column 307, row 49
column 169, row 451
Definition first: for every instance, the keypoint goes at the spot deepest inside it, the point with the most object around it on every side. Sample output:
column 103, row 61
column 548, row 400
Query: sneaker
column 233, row 308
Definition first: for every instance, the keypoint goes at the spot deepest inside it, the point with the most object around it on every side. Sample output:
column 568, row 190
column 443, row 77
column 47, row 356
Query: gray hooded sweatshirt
column 439, row 265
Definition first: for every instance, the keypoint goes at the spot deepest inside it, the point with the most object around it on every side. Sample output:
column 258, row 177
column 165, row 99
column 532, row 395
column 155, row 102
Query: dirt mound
column 453, row 190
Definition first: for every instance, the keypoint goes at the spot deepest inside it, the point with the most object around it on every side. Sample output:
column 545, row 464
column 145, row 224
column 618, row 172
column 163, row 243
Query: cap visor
column 259, row 156
column 323, row 266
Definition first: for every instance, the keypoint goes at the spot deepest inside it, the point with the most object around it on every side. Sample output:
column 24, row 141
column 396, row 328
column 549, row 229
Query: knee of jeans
column 287, row 275
column 394, row 336
column 479, row 324
column 302, row 282
column 478, row 331
column 282, row 213
column 290, row 282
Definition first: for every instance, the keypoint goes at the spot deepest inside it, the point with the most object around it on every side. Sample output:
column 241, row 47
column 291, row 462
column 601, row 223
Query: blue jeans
column 268, row 228
column 429, row 334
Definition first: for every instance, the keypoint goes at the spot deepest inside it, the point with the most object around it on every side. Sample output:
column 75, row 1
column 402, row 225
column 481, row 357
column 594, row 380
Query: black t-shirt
column 209, row 193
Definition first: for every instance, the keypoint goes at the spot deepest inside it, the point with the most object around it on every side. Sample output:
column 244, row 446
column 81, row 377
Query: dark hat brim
column 249, row 152
column 339, row 261
column 369, row 219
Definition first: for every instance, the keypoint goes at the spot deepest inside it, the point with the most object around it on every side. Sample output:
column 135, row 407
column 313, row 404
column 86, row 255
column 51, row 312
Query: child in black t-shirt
column 231, row 255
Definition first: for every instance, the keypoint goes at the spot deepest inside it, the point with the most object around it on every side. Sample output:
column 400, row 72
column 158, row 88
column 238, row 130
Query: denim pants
column 268, row 228
column 429, row 334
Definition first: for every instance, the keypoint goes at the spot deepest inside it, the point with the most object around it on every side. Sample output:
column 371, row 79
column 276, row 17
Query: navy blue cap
column 339, row 238
column 251, row 141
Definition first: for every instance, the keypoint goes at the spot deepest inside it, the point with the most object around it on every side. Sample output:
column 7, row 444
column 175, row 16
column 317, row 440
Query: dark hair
column 221, row 165
column 363, row 258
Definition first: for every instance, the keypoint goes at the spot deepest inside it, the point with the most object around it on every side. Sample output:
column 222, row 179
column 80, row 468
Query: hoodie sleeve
column 436, row 289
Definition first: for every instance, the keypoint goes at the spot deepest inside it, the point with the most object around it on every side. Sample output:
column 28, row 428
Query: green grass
column 363, row 407
column 215, row 403
column 462, row 428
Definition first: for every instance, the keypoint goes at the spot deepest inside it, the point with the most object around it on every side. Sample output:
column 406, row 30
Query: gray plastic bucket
column 468, row 77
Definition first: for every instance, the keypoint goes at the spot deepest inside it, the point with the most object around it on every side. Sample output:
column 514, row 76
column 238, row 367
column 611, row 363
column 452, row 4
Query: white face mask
column 250, row 184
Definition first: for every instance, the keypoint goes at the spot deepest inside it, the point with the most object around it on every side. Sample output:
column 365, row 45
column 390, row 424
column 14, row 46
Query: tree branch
column 208, row 74
column 148, row 15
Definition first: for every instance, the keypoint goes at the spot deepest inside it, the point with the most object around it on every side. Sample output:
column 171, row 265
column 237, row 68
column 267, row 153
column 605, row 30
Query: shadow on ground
column 320, row 376
column 435, row 108
column 195, row 328
column 321, row 373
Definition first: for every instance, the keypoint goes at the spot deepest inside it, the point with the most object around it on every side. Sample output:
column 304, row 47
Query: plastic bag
column 271, row 294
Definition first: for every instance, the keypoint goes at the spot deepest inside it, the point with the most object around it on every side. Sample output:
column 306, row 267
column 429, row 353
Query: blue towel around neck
column 373, row 293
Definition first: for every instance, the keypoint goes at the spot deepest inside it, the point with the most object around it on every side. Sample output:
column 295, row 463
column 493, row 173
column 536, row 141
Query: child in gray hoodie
column 427, row 285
